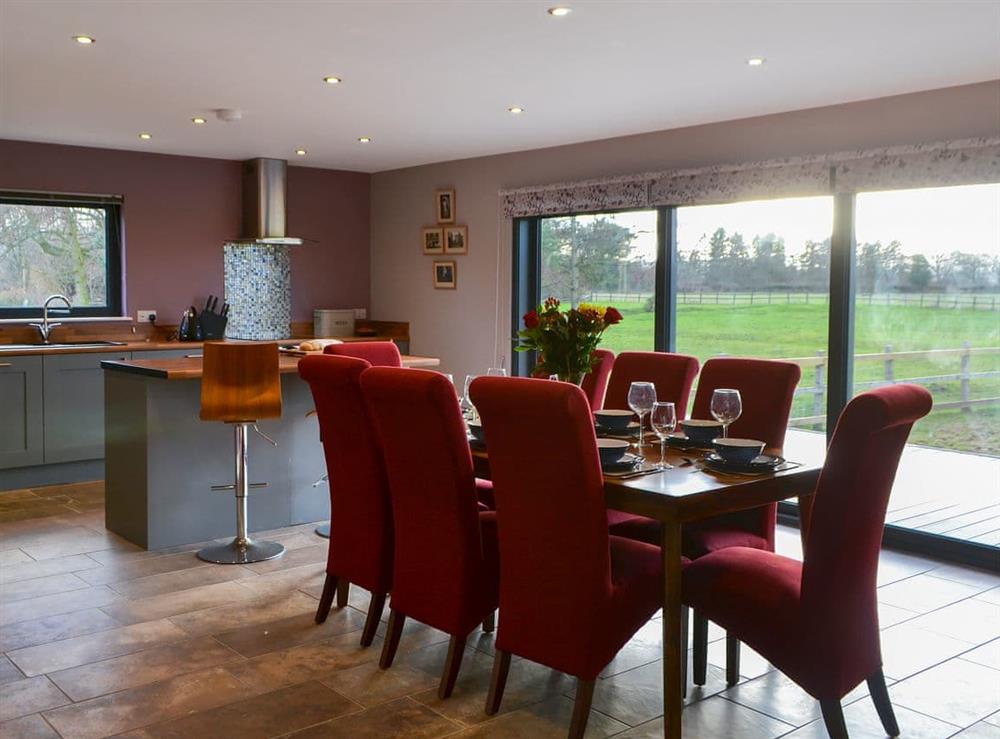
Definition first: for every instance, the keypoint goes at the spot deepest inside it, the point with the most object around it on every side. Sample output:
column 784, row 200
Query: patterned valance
column 969, row 161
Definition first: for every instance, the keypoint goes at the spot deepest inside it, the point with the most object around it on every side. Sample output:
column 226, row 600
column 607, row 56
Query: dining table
column 691, row 491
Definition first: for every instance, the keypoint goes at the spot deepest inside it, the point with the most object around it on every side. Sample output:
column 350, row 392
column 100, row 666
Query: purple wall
column 179, row 210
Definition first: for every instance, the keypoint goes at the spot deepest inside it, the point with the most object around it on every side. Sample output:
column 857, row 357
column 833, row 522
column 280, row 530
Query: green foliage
column 582, row 257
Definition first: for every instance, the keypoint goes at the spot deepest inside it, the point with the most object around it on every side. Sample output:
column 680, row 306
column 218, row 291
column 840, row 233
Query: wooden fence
column 888, row 358
column 950, row 301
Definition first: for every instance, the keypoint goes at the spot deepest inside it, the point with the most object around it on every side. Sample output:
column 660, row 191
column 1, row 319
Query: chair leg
column 684, row 651
column 581, row 708
column 371, row 620
column 700, row 649
column 456, row 650
column 880, row 697
column 395, row 630
column 501, row 665
column 732, row 660
column 490, row 622
column 833, row 717
column 343, row 591
column 326, row 599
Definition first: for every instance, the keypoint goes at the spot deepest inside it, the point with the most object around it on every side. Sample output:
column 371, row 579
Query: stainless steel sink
column 61, row 345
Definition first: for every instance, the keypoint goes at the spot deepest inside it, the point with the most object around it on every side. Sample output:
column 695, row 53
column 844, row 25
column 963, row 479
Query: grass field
column 798, row 330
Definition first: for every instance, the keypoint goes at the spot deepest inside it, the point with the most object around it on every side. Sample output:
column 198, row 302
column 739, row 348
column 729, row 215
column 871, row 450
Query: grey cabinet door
column 74, row 406
column 20, row 411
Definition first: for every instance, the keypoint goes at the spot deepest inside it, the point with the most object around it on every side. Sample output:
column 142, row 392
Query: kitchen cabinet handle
column 4, row 364
column 193, row 356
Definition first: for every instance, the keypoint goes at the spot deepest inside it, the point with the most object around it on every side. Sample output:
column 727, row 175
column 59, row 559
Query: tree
column 581, row 256
column 814, row 265
column 919, row 274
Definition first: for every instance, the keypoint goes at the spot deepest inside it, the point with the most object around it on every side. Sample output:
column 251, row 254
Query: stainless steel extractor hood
column 264, row 191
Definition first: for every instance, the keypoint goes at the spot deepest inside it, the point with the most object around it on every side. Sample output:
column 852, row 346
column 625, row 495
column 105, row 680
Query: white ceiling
column 431, row 81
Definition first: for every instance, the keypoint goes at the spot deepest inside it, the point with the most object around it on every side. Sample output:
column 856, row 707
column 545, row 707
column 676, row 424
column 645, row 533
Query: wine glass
column 663, row 419
column 726, row 407
column 641, row 399
column 468, row 410
column 496, row 372
column 554, row 378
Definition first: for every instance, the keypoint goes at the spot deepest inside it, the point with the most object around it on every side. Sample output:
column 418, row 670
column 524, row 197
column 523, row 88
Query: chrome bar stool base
column 323, row 530
column 236, row 553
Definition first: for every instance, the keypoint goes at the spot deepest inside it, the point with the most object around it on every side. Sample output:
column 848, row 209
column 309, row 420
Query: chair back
column 376, row 353
column 439, row 565
column 595, row 382
column 240, row 381
column 361, row 535
column 767, row 388
column 672, row 374
column 555, row 569
column 845, row 534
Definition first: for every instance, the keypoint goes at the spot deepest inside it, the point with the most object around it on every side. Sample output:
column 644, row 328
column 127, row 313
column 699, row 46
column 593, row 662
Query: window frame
column 113, row 228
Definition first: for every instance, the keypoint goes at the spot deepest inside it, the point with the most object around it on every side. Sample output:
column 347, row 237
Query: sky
column 925, row 221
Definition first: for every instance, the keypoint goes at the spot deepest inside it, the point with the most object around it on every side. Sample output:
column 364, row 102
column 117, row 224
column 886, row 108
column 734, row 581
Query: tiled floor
column 100, row 638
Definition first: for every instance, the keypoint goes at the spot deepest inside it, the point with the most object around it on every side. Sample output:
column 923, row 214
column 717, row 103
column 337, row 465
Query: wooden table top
column 189, row 368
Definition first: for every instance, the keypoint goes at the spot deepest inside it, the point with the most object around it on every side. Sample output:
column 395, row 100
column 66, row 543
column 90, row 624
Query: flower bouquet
column 565, row 339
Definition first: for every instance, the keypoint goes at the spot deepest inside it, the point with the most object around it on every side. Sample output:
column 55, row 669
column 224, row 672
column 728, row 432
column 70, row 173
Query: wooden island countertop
column 190, row 368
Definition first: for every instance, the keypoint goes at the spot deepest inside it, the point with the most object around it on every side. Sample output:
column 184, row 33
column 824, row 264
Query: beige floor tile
column 307, row 578
column 987, row 655
column 892, row 615
column 778, row 697
column 29, row 569
column 11, row 592
column 751, row 664
column 314, row 554
column 273, row 636
column 171, row 582
column 146, row 705
column 52, row 628
column 82, row 541
column 11, row 557
column 957, row 691
column 225, row 618
column 967, row 575
column 140, row 668
column 982, row 730
column 971, row 620
column 260, row 717
column 901, row 659
column 863, row 723
column 895, row 566
column 549, row 719
column 103, row 645
column 8, row 671
column 924, row 593
column 306, row 662
column 179, row 602
column 27, row 727
column 395, row 720
column 369, row 685
column 990, row 596
column 713, row 719
column 53, row 605
column 30, row 695
column 116, row 573
column 643, row 648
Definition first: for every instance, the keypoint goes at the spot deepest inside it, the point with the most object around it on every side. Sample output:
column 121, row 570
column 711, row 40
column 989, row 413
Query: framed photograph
column 445, row 276
column 444, row 202
column 432, row 240
column 456, row 240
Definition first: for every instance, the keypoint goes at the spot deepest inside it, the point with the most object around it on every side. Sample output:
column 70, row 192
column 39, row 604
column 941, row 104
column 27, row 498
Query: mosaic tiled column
column 258, row 290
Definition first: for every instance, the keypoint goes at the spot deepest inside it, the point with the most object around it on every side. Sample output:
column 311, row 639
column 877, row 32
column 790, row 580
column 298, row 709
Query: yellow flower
column 598, row 309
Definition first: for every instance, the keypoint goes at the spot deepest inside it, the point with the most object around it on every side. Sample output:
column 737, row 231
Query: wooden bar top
column 82, row 347
column 189, row 368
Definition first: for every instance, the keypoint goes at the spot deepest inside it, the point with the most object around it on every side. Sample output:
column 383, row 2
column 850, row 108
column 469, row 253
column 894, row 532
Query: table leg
column 805, row 517
column 672, row 652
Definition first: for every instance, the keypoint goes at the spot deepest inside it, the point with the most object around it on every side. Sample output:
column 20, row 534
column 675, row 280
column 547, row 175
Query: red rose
column 531, row 319
column 612, row 316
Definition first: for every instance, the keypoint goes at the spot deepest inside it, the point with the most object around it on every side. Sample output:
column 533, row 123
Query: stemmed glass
column 641, row 399
column 496, row 372
column 468, row 410
column 663, row 419
column 726, row 407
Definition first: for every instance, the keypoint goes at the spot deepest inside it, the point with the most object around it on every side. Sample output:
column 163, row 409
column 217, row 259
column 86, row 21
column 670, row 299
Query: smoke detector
column 228, row 114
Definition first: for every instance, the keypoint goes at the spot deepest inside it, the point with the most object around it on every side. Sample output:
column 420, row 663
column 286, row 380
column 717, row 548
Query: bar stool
column 240, row 385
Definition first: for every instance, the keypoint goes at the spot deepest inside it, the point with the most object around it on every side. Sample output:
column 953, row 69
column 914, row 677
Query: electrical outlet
column 360, row 314
column 145, row 316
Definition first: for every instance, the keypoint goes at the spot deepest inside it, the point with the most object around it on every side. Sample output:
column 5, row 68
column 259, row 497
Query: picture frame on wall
column 445, row 275
column 432, row 240
column 444, row 204
column 456, row 240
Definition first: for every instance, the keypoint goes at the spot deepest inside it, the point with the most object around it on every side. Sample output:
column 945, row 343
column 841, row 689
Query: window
column 753, row 281
column 607, row 258
column 65, row 245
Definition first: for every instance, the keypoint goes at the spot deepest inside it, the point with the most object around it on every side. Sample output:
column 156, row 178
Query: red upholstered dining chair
column 361, row 541
column 672, row 374
column 376, row 353
column 817, row 620
column 767, row 388
column 595, row 382
column 570, row 595
column 445, row 568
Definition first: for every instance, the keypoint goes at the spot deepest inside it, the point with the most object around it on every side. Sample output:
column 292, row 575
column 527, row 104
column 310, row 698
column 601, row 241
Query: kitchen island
column 161, row 459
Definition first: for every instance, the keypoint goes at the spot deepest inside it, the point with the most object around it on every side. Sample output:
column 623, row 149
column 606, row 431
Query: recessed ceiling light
column 198, row 120
column 332, row 80
column 145, row 136
column 364, row 139
column 559, row 11
column 85, row 40
column 515, row 109
column 755, row 61
column 301, row 152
